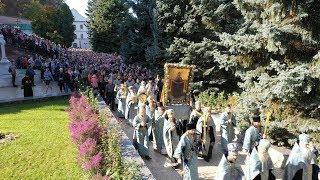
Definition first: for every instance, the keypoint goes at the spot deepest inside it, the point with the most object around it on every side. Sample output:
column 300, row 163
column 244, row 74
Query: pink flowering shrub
column 93, row 163
column 88, row 147
column 81, row 130
column 85, row 132
column 97, row 140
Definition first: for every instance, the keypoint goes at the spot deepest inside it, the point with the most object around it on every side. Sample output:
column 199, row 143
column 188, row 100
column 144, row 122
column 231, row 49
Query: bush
column 280, row 136
column 114, row 166
column 98, row 140
column 85, row 132
column 217, row 101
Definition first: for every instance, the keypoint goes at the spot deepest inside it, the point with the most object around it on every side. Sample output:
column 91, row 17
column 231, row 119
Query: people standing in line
column 206, row 132
column 301, row 160
column 171, row 130
column 150, row 111
column 259, row 164
column 252, row 135
column 196, row 113
column 102, row 87
column 187, row 153
column 227, row 125
column 61, row 80
column 94, row 81
column 229, row 168
column 136, row 85
column 131, row 105
column 158, row 142
column 31, row 74
column 67, row 81
column 121, row 98
column 27, row 86
column 110, row 94
column 12, row 70
column 47, row 79
column 141, row 124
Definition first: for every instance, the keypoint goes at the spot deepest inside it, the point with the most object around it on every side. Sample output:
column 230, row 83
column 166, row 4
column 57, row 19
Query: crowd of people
column 78, row 68
column 155, row 126
column 135, row 94
column 32, row 43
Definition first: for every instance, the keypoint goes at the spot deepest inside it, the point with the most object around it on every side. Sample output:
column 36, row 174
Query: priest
column 252, row 135
column 131, row 105
column 141, row 124
column 259, row 165
column 157, row 130
column 27, row 86
column 206, row 132
column 196, row 113
column 300, row 162
column 170, row 133
column 228, row 167
column 228, row 124
column 186, row 152
column 121, row 98
column 150, row 111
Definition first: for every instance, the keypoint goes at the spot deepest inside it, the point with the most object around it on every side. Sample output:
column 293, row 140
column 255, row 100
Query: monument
column 4, row 63
column 5, row 76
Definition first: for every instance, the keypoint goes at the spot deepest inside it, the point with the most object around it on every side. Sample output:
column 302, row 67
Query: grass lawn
column 43, row 149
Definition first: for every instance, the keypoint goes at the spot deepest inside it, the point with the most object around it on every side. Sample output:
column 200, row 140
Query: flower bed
column 97, row 140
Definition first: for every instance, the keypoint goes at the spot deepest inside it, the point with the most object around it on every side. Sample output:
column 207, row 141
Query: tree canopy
column 51, row 19
column 265, row 51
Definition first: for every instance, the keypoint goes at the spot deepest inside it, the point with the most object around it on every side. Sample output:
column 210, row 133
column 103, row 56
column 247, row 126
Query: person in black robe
column 102, row 88
column 110, row 94
column 27, row 86
column 159, row 89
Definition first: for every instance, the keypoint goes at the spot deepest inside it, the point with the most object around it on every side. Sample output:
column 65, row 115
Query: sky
column 79, row 5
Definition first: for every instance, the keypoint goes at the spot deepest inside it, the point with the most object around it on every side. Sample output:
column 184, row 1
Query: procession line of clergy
column 153, row 122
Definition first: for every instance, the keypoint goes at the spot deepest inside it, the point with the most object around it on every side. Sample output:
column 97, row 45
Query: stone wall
column 129, row 153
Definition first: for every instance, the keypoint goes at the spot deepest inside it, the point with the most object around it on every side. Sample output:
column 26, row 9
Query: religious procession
column 160, row 89
column 168, row 119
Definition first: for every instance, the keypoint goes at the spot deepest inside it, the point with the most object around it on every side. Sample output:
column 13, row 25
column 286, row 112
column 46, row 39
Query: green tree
column 188, row 33
column 275, row 54
column 140, row 33
column 66, row 28
column 17, row 8
column 105, row 18
column 51, row 23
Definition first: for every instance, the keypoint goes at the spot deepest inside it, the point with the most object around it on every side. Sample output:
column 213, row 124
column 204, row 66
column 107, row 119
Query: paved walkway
column 156, row 164
column 207, row 170
column 8, row 94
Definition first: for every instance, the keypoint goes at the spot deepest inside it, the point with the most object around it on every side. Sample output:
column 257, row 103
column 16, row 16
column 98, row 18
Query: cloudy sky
column 80, row 5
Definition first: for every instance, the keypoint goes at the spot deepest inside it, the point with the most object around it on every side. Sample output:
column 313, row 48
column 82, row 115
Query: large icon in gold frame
column 177, row 79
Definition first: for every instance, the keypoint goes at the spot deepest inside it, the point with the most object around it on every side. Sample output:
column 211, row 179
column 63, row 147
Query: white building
column 82, row 33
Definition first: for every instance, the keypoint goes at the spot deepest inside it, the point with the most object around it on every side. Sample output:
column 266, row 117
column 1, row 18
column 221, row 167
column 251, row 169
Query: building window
column 81, row 36
column 81, row 26
column 75, row 36
column 75, row 45
column 75, row 27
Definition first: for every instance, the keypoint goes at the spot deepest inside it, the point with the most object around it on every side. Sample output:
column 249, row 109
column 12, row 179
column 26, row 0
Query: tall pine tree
column 105, row 19
column 140, row 33
column 189, row 31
